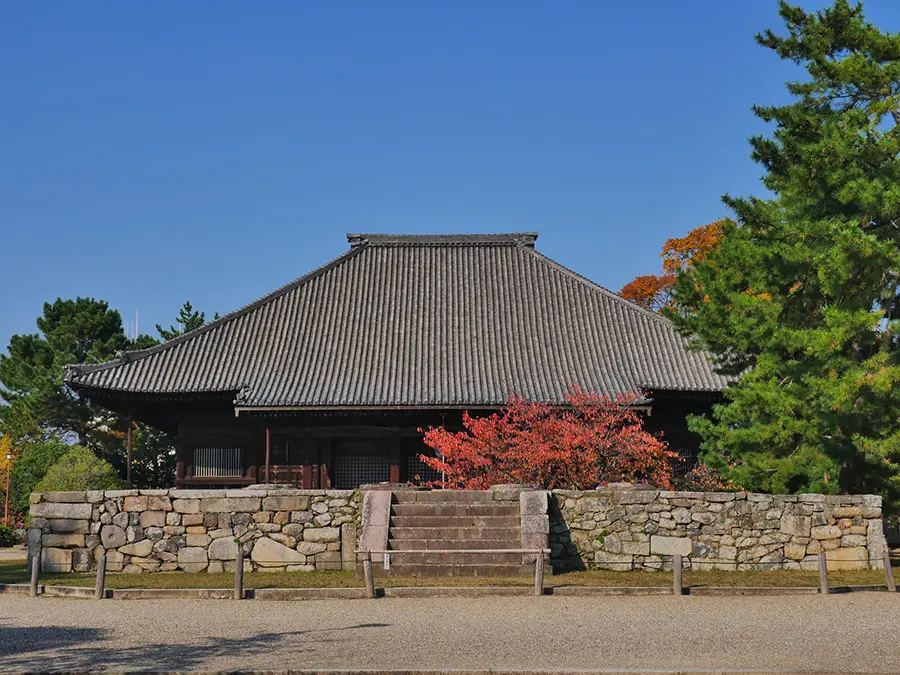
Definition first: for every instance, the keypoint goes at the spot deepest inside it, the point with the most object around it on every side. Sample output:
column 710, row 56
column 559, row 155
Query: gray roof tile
column 437, row 320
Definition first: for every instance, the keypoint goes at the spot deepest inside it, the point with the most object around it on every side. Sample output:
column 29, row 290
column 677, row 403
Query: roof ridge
column 489, row 239
column 74, row 370
column 593, row 284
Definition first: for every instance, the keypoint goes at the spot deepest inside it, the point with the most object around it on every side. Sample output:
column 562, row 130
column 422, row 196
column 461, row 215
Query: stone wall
column 194, row 530
column 641, row 529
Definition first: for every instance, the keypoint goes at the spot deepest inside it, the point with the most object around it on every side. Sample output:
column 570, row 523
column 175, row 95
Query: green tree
column 802, row 296
column 83, row 330
column 30, row 468
column 188, row 319
column 79, row 469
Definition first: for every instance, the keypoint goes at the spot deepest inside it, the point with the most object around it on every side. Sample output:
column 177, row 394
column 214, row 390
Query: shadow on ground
column 67, row 648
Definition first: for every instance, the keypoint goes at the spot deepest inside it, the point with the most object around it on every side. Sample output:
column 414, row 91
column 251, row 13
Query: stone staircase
column 453, row 520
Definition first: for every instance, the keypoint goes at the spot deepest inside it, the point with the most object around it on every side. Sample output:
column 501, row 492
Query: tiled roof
column 420, row 321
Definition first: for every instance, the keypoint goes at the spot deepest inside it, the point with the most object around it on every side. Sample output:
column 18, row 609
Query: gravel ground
column 857, row 632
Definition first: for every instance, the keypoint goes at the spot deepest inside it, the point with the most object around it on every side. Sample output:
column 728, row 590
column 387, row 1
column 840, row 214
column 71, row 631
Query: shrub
column 590, row 440
column 79, row 469
column 8, row 537
column 30, row 468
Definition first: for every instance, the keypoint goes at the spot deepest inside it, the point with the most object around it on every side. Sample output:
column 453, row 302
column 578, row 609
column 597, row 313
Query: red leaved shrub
column 589, row 441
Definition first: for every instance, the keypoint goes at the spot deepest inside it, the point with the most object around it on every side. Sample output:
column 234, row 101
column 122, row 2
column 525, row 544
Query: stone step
column 448, row 509
column 403, row 558
column 455, row 521
column 444, row 544
column 456, row 533
column 444, row 496
column 419, row 570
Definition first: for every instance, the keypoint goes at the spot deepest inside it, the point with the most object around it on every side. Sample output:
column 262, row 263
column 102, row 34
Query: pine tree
column 188, row 319
column 801, row 298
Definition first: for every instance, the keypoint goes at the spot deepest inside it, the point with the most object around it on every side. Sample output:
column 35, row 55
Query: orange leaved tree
column 654, row 291
column 589, row 441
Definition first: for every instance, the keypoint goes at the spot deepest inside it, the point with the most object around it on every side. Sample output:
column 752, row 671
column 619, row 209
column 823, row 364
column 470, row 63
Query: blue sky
column 152, row 153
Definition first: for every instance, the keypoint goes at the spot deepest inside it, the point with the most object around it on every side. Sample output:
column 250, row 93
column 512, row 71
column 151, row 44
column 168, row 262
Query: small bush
column 30, row 468
column 8, row 537
column 79, row 469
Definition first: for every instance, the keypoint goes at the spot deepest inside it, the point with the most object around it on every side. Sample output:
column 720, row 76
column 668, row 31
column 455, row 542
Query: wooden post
column 823, row 574
column 35, row 573
column 888, row 570
column 239, row 574
column 100, row 584
column 367, row 573
column 539, row 574
column 394, row 455
column 128, row 445
column 268, row 455
column 677, row 569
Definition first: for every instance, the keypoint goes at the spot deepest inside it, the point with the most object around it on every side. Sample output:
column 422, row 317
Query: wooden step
column 446, row 509
column 454, row 521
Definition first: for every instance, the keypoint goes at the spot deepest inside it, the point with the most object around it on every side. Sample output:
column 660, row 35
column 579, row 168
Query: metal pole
column 367, row 573
column 677, row 568
column 239, row 574
column 888, row 570
column 35, row 573
column 539, row 574
column 823, row 574
column 100, row 585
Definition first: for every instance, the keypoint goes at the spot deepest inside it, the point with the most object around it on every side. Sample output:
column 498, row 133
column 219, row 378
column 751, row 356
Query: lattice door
column 351, row 471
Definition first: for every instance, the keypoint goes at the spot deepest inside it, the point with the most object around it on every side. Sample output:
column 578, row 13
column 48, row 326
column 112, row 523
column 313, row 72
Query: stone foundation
column 194, row 530
column 305, row 530
column 626, row 529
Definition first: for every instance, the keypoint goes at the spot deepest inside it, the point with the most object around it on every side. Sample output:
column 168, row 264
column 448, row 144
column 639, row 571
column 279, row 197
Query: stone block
column 192, row 559
column 229, row 504
column 322, row 534
column 65, row 497
column 219, row 533
column 613, row 561
column 65, row 525
column 853, row 540
column 141, row 549
column 94, row 496
column 67, row 511
column 153, row 519
column 795, row 551
column 81, row 560
column 201, row 540
column 223, row 548
column 58, row 560
column 847, row 559
column 62, row 541
column 136, row 503
column 186, row 505
column 189, row 519
column 311, row 547
column 798, row 526
column 636, row 496
column 301, row 517
column 269, row 553
column 158, row 503
column 670, row 545
column 826, row 532
column 112, row 536
column 292, row 503
column 539, row 524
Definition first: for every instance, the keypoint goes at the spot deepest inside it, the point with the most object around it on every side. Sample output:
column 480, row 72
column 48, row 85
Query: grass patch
column 16, row 572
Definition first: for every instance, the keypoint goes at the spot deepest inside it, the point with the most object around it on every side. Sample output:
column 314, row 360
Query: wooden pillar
column 268, row 454
column 324, row 462
column 309, row 450
column 128, row 446
column 394, row 454
column 180, row 464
